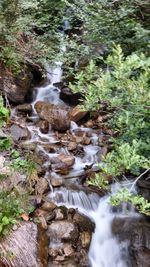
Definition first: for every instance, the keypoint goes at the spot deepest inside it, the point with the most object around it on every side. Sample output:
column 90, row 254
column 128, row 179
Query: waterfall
column 105, row 250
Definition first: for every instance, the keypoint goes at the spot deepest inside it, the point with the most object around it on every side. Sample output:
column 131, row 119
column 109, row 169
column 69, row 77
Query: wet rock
column 60, row 258
column 71, row 248
column 44, row 126
column 37, row 72
column 42, row 186
column 19, row 133
column 23, row 244
column 48, row 206
column 104, row 151
column 68, row 250
column 53, row 252
column 63, row 163
column 70, row 98
column 67, row 159
column 59, row 214
column 56, row 115
column 62, row 230
column 83, row 222
column 76, row 114
column 72, row 146
column 86, row 140
column 25, row 108
column 56, row 181
column 136, row 232
column 86, row 239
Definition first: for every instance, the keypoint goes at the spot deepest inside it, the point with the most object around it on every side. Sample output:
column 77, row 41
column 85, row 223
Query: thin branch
column 138, row 179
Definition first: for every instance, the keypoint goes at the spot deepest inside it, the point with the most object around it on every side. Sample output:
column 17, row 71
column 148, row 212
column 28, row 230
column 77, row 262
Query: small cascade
column 105, row 250
column 78, row 199
column 50, row 93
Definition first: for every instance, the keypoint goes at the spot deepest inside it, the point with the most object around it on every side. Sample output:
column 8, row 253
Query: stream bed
column 65, row 159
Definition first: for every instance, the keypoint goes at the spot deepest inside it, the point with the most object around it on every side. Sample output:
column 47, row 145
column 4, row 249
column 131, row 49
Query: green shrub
column 5, row 144
column 99, row 181
column 4, row 112
column 124, row 86
column 26, row 166
column 123, row 159
column 9, row 211
column 124, row 195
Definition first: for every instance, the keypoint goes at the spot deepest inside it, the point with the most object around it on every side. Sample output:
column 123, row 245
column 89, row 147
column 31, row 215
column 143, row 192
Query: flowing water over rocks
column 70, row 212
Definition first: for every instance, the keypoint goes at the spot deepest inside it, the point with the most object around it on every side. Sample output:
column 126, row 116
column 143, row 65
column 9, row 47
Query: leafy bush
column 124, row 195
column 124, row 158
column 11, row 59
column 9, row 211
column 124, row 86
column 23, row 165
column 99, row 181
column 4, row 112
column 5, row 144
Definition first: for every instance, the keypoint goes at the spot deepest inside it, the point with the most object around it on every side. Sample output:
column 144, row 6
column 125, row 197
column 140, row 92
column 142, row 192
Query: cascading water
column 50, row 93
column 105, row 250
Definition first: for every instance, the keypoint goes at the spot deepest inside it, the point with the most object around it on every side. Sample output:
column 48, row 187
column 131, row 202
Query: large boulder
column 16, row 89
column 136, row 232
column 56, row 115
column 22, row 244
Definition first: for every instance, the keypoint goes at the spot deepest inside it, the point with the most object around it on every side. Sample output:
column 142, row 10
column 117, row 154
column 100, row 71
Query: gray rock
column 62, row 230
column 23, row 244
column 19, row 133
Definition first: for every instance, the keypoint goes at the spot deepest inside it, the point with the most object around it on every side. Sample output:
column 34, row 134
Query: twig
column 7, row 102
column 138, row 179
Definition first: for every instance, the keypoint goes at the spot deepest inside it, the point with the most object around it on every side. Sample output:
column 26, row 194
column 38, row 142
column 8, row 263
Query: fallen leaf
column 25, row 217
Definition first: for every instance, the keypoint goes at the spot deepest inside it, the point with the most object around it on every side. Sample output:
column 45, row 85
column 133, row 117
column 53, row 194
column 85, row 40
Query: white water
column 105, row 250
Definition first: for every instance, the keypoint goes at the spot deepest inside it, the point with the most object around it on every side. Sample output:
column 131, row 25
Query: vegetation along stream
column 74, row 133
